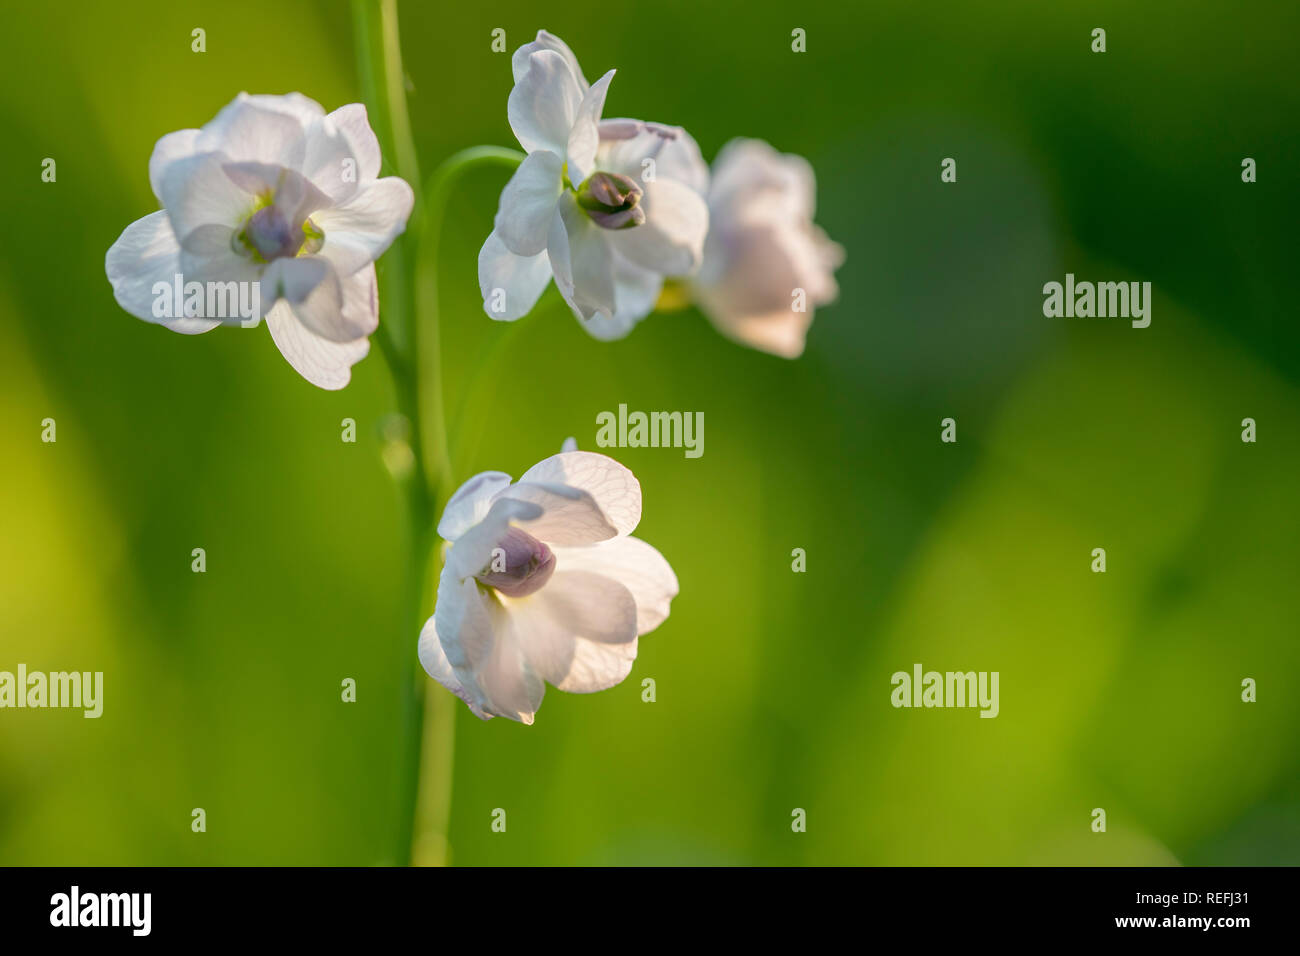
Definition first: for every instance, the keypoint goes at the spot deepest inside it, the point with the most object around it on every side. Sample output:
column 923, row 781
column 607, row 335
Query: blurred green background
column 1119, row 690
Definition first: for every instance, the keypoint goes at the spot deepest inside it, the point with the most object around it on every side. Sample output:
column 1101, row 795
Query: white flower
column 606, row 207
column 762, row 246
column 543, row 583
column 278, row 195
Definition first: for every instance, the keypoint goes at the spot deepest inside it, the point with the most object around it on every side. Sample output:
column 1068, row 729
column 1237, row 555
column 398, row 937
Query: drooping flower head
column 276, row 196
column 543, row 583
column 762, row 247
column 606, row 207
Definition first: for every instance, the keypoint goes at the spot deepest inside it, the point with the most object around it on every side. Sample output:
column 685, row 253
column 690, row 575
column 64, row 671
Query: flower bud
column 520, row 565
column 611, row 201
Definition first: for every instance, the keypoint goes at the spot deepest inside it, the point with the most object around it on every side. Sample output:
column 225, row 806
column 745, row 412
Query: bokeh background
column 1119, row 691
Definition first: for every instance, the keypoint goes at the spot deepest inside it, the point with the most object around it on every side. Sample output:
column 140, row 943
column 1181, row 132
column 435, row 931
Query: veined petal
column 543, row 103
column 208, row 255
column 473, row 549
column 166, row 151
column 671, row 240
column 261, row 129
column 636, row 566
column 339, row 309
column 579, row 632
column 567, row 515
column 484, row 651
column 298, row 105
column 147, row 253
column 355, row 124
column 584, row 137
column 197, row 192
column 435, row 663
column 511, row 284
column 292, row 193
column 324, row 363
column 546, row 41
column 361, row 300
column 295, row 279
column 528, row 203
column 361, row 229
column 626, row 144
column 636, row 292
column 330, row 161
column 457, row 618
column 470, row 504
column 581, row 260
column 613, row 487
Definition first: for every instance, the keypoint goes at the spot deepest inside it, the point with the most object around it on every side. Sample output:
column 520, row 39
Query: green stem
column 410, row 341
column 379, row 65
column 437, row 192
column 429, row 845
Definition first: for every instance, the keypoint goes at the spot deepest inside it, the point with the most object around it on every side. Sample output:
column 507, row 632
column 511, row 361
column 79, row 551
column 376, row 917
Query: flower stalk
column 411, row 344
column 379, row 65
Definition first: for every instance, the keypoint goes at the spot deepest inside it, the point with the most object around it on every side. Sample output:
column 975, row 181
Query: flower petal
column 543, row 103
column 584, row 137
column 261, row 129
column 147, row 253
column 292, row 193
column 361, row 300
column 511, row 284
column 330, row 161
column 613, row 487
column 196, row 191
column 636, row 292
column 324, row 363
column 295, row 279
column 527, row 203
column 470, row 504
column 546, row 41
column 361, row 229
column 671, row 240
column 581, row 260
column 434, row 660
column 166, row 151
column 751, row 178
column 339, row 309
column 636, row 566
column 208, row 255
column 567, row 515
column 473, row 549
column 751, row 267
column 355, row 124
column 579, row 632
column 483, row 649
column 626, row 144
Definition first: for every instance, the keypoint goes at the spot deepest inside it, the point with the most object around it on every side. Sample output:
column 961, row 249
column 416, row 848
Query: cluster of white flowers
column 542, row 580
column 610, row 208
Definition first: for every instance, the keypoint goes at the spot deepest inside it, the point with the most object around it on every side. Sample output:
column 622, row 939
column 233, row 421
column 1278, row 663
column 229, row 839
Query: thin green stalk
column 433, row 800
column 379, row 64
column 410, row 341
column 436, row 194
